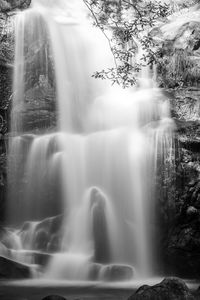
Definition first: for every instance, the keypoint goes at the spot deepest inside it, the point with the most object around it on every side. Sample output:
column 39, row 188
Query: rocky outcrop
column 6, row 68
column 179, row 76
column 39, row 104
column 168, row 289
column 179, row 62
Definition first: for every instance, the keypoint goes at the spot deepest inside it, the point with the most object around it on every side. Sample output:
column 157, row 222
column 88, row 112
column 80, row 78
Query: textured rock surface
column 179, row 63
column 38, row 110
column 168, row 289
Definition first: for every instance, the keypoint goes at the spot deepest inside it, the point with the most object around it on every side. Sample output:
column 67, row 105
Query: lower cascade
column 81, row 195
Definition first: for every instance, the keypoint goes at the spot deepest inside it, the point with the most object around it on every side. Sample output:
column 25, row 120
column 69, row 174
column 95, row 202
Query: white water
column 98, row 170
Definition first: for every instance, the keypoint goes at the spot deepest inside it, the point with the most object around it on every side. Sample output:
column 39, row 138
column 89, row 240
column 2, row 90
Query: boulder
column 10, row 269
column 116, row 273
column 46, row 235
column 168, row 289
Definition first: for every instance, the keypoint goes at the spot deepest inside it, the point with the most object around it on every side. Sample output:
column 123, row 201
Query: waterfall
column 83, row 189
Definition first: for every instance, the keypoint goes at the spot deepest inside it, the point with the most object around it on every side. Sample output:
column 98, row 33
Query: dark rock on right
column 178, row 74
column 179, row 63
column 168, row 289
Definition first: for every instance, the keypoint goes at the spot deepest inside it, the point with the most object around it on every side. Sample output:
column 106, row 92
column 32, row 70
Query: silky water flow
column 83, row 193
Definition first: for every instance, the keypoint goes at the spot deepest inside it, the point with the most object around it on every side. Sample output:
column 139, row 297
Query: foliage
column 126, row 25
column 8, row 5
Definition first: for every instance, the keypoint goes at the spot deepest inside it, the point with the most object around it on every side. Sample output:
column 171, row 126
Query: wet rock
column 29, row 256
column 192, row 210
column 10, row 269
column 117, row 273
column 38, row 109
column 54, row 243
column 3, row 177
column 3, row 250
column 94, row 271
column 100, row 226
column 183, row 250
column 41, row 239
column 54, row 297
column 168, row 289
column 8, row 238
column 45, row 235
column 41, row 259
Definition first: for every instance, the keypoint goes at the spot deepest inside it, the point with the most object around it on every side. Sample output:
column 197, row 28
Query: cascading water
column 83, row 192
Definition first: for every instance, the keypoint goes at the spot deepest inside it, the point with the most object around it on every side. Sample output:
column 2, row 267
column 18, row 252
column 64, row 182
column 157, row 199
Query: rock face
column 179, row 76
column 10, row 269
column 38, row 110
column 38, row 113
column 187, row 104
column 183, row 237
column 6, row 59
column 168, row 289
